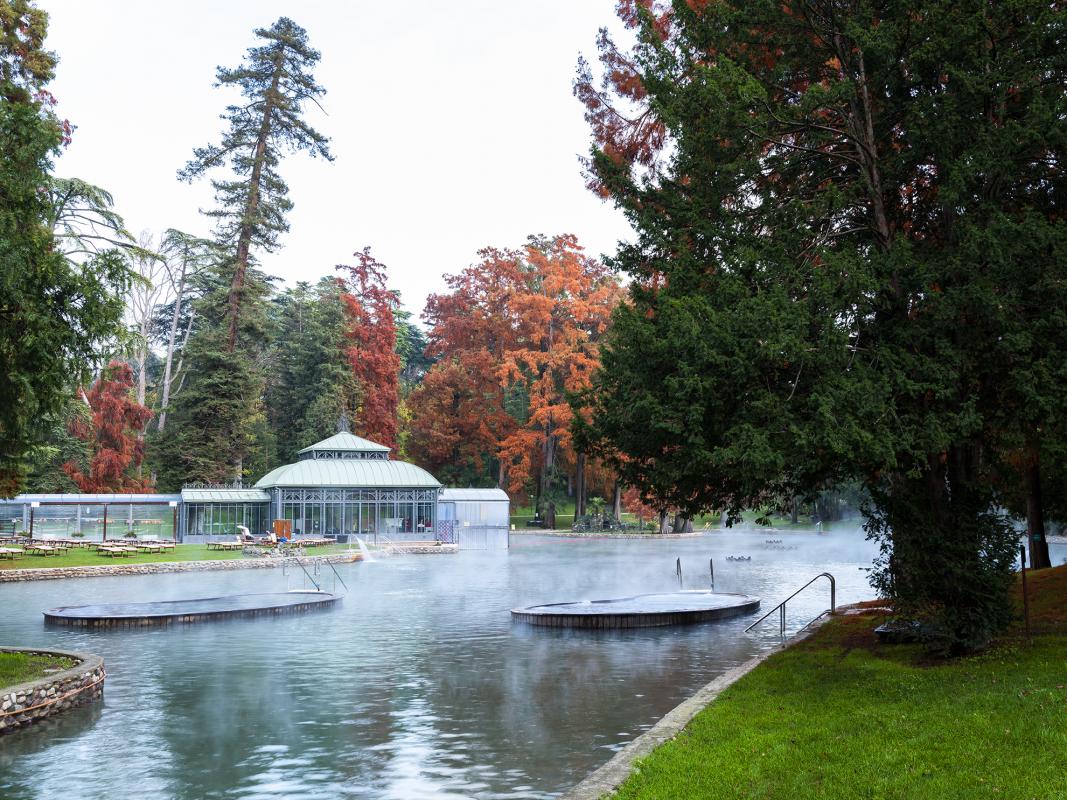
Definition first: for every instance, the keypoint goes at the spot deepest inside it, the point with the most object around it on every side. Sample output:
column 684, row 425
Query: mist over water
column 418, row 685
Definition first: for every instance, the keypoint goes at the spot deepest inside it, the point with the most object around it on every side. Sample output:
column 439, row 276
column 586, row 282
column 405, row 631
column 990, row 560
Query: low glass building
column 341, row 487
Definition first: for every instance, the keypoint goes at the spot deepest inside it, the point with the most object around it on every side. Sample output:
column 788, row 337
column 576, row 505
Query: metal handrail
column 781, row 605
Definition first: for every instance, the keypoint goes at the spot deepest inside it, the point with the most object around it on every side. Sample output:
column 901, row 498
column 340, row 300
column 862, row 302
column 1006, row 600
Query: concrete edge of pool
column 199, row 609
column 608, row 614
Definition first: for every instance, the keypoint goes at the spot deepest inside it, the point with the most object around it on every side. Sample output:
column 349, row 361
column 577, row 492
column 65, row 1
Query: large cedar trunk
column 680, row 523
column 1035, row 515
column 616, row 505
column 664, row 522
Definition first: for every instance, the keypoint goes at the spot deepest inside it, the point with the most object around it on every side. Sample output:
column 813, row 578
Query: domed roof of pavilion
column 347, row 443
column 349, row 461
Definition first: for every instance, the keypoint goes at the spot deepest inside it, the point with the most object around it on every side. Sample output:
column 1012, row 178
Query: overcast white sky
column 452, row 123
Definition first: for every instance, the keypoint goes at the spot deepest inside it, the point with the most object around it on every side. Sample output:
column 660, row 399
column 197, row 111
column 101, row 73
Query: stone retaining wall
column 609, row 534
column 110, row 570
column 27, row 703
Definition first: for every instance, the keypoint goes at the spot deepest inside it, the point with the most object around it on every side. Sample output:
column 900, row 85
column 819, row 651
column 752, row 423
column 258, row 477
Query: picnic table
column 42, row 550
column 225, row 545
column 115, row 551
column 11, row 552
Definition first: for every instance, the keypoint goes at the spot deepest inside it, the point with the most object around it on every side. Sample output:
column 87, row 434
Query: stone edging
column 608, row 778
column 608, row 534
column 26, row 703
column 151, row 568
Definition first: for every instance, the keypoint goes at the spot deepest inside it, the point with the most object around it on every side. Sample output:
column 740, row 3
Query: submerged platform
column 640, row 611
column 201, row 609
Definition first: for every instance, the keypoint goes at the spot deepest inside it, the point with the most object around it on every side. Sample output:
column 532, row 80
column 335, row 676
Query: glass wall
column 88, row 521
column 360, row 512
column 222, row 519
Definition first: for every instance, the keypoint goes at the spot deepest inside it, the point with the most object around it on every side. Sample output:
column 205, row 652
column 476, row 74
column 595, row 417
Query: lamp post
column 35, row 504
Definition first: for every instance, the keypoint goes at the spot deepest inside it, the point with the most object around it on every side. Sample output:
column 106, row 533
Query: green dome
column 349, row 473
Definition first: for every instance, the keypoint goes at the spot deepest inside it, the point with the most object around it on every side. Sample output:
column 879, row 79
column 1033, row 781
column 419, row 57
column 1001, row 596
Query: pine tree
column 223, row 395
column 312, row 385
column 276, row 83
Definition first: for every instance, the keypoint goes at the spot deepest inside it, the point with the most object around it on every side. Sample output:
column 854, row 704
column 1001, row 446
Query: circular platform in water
column 640, row 611
column 200, row 609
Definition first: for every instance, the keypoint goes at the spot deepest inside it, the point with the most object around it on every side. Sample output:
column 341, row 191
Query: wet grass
column 81, row 557
column 843, row 716
column 18, row 668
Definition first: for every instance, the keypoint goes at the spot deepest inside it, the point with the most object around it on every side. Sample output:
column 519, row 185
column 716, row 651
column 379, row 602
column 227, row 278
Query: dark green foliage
column 275, row 81
column 850, row 262
column 215, row 430
column 312, row 387
column 53, row 312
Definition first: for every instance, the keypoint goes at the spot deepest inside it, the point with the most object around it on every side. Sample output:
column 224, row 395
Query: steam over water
column 417, row 685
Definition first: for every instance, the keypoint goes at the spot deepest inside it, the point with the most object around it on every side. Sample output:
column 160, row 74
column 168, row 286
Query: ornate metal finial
column 343, row 425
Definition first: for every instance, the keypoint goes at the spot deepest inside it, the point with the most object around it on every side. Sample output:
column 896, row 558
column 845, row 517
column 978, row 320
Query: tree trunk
column 550, row 516
column 579, row 499
column 616, row 504
column 794, row 513
column 664, row 522
column 1035, row 514
column 244, row 238
column 179, row 295
column 679, row 523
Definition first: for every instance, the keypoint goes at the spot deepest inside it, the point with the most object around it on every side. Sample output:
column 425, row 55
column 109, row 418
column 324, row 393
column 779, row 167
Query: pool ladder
column 781, row 606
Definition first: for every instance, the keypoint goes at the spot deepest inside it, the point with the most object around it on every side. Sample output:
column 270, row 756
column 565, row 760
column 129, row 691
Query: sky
column 452, row 123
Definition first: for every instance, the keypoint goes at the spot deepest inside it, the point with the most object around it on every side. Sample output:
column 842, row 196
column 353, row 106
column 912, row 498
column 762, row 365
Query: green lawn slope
column 843, row 716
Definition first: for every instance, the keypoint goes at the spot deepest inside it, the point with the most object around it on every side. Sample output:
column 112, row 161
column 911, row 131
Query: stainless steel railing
column 781, row 606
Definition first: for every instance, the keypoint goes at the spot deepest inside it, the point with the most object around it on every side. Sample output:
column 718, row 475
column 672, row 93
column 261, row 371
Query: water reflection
column 418, row 685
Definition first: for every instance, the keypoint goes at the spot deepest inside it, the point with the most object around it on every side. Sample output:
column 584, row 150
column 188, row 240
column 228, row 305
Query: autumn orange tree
column 518, row 332
column 370, row 332
column 112, row 433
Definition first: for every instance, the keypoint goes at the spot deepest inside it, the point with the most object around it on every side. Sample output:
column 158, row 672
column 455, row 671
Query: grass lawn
column 842, row 716
column 80, row 557
column 18, row 668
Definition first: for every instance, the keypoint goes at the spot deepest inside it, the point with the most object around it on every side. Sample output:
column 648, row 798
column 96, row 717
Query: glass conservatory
column 346, row 485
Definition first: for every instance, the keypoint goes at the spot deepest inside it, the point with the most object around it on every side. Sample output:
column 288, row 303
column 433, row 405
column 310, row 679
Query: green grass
column 80, row 557
column 842, row 716
column 18, row 668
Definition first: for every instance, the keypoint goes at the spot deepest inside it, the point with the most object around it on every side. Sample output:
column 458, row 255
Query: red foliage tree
column 371, row 336
column 112, row 434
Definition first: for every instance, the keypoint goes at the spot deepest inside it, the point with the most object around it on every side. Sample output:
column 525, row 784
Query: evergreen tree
column 312, row 386
column 847, row 216
column 223, row 395
column 216, row 432
column 276, row 82
column 53, row 312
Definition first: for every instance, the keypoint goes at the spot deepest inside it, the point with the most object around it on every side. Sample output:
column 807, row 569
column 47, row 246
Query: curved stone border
column 608, row 778
column 26, row 703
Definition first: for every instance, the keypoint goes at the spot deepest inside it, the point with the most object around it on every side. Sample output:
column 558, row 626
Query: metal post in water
column 711, row 567
column 678, row 569
column 782, row 623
